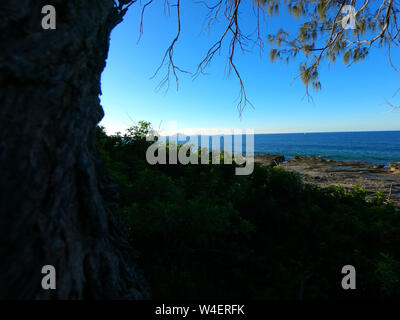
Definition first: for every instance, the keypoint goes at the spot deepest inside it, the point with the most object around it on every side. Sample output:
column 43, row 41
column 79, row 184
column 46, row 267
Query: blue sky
column 352, row 98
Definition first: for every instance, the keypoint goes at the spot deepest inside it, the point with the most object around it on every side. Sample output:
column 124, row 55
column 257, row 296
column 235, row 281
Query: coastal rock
column 395, row 167
column 326, row 172
column 269, row 160
column 308, row 159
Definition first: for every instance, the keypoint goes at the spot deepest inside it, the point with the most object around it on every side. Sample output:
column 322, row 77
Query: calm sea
column 373, row 146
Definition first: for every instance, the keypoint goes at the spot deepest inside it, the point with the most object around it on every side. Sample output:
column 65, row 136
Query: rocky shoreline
column 325, row 173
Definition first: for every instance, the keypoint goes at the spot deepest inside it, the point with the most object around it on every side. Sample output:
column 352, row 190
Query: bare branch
column 141, row 19
column 168, row 58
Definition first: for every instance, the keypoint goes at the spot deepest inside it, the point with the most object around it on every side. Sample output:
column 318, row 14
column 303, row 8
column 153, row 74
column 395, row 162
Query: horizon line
column 300, row 132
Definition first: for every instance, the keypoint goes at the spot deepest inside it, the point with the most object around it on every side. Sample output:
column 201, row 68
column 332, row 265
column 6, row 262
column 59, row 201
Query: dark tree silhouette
column 57, row 205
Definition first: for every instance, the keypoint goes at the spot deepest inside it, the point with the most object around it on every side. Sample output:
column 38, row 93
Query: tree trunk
column 57, row 205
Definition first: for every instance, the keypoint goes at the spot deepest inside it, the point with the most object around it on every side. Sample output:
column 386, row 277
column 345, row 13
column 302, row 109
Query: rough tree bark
column 57, row 205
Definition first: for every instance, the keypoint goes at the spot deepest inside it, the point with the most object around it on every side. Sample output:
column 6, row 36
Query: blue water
column 379, row 147
column 374, row 146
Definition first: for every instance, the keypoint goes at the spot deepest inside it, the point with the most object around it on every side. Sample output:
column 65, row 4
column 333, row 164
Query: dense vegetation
column 203, row 232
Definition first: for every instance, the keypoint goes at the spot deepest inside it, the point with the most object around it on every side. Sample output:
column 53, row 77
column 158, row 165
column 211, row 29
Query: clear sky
column 352, row 98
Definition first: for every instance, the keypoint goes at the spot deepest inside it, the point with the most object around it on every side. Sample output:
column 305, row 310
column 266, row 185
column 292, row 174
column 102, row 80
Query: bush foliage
column 204, row 233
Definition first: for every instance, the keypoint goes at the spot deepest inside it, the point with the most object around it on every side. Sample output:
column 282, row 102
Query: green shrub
column 203, row 232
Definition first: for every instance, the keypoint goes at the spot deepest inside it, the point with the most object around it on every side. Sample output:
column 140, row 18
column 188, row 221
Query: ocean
column 380, row 147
